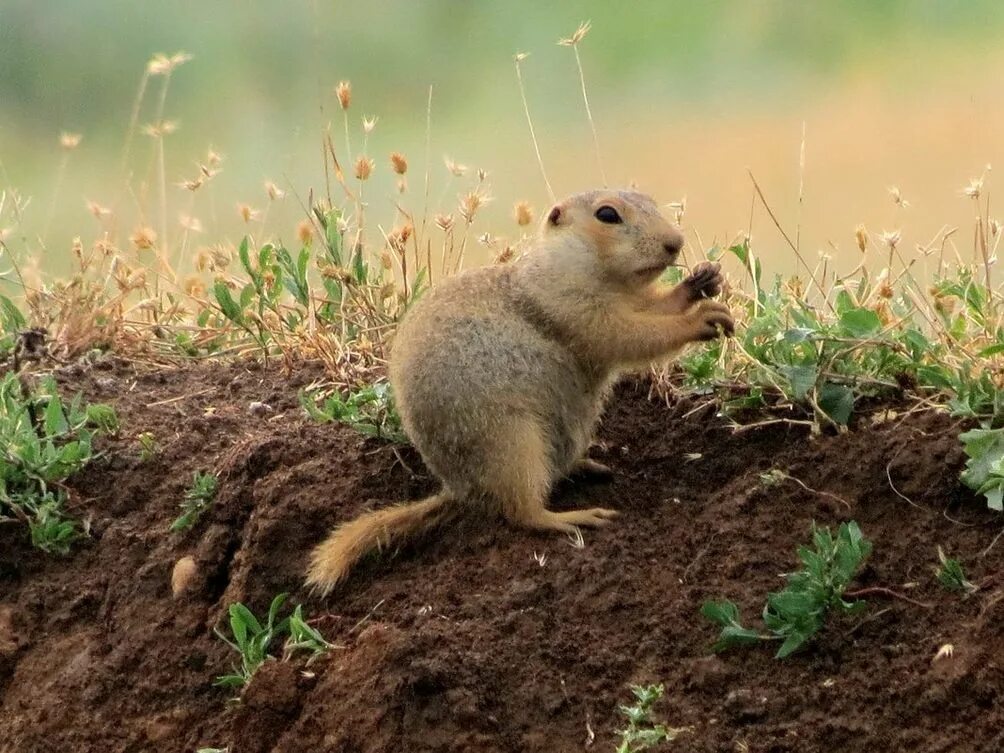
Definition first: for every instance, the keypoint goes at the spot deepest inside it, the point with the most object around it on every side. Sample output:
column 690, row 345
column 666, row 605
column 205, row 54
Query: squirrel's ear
column 555, row 215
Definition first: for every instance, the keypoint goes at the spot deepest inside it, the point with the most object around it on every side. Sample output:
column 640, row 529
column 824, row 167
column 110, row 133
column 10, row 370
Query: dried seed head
column 143, row 238
column 160, row 64
column 482, row 175
column 470, row 203
column 487, row 240
column 385, row 260
column 577, row 36
column 861, row 236
column 273, row 191
column 406, row 231
column 519, row 57
column 344, row 93
column 193, row 185
column 369, row 123
column 897, row 197
column 523, row 213
column 190, row 223
column 160, row 129
column 444, row 222
column 885, row 290
column 69, row 141
column 247, row 213
column 891, row 238
column 364, row 168
column 305, row 232
column 195, row 287
column 402, row 185
column 974, row 189
column 398, row 163
column 97, row 210
column 884, row 314
column 455, row 167
column 214, row 158
column 507, row 254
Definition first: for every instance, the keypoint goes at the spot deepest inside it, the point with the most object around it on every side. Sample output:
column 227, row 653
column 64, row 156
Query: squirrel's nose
column 673, row 242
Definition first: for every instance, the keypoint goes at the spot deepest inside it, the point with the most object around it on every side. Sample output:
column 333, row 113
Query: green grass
column 44, row 441
column 198, row 497
column 253, row 639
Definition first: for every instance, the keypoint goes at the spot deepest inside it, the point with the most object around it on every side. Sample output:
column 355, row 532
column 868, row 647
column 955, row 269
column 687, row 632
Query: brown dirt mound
column 485, row 638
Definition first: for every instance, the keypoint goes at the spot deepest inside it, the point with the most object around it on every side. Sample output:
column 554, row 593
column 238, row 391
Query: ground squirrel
column 500, row 373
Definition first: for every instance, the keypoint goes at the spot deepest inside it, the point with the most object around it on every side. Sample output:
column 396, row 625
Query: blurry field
column 686, row 97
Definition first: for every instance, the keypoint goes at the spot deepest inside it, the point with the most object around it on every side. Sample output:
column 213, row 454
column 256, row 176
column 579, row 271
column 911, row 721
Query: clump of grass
column 198, row 497
column 798, row 612
column 641, row 732
column 253, row 640
column 369, row 410
column 43, row 441
column 952, row 576
column 147, row 446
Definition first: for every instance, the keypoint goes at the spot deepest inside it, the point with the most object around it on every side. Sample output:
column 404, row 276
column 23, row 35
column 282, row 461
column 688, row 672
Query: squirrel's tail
column 332, row 560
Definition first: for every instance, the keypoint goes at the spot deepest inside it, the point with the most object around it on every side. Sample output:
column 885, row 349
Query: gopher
column 501, row 373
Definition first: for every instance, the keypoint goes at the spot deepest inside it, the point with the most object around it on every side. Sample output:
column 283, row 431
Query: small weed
column 984, row 472
column 798, row 612
column 199, row 496
column 641, row 732
column 370, row 411
column 43, row 441
column 147, row 446
column 951, row 575
column 252, row 640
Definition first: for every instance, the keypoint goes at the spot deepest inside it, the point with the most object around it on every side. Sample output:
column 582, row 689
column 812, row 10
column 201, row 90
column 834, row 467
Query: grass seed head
column 304, row 232
column 246, row 212
column 470, row 203
column 195, row 287
column 861, row 236
column 455, row 167
column 344, row 93
column 273, row 191
column 398, row 163
column 70, row 141
column 364, row 168
column 143, row 238
column 523, row 213
column 578, row 36
column 444, row 222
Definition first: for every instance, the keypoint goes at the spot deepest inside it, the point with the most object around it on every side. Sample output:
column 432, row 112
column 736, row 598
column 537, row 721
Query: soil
column 484, row 638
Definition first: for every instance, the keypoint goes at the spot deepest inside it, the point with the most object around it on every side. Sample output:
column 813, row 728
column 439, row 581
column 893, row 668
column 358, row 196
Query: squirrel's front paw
column 711, row 316
column 705, row 281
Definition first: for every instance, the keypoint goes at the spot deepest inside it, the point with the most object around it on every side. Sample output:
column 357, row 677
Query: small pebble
column 259, row 409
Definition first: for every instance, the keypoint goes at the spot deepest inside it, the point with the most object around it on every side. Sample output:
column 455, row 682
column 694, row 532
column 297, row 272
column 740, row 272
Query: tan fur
column 501, row 373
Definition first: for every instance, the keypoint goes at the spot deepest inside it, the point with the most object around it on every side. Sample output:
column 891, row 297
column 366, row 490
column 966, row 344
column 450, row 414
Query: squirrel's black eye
column 608, row 215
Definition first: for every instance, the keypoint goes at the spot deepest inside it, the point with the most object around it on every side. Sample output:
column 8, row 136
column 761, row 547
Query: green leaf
column 55, row 420
column 802, row 379
column 837, row 401
column 227, row 304
column 860, row 322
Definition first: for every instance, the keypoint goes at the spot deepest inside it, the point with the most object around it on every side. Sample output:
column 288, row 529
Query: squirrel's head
column 628, row 238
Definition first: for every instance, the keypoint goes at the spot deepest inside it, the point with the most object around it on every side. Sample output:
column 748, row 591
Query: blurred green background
column 686, row 97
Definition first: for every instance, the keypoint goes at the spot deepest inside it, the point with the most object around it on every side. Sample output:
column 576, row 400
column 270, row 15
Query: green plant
column 252, row 640
column 641, row 733
column 198, row 497
column 951, row 575
column 147, row 446
column 43, row 441
column 984, row 472
column 798, row 612
column 369, row 410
